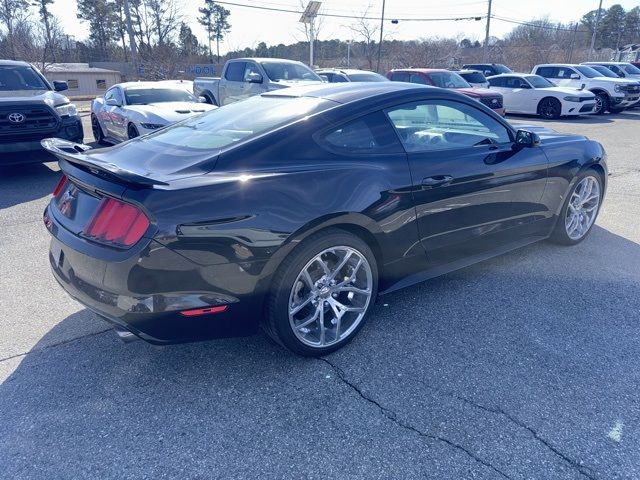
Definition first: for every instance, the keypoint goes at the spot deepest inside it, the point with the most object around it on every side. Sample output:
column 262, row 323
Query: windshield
column 630, row 69
column 448, row 80
column 144, row 96
column 604, row 71
column 502, row 68
column 20, row 78
column 237, row 121
column 367, row 77
column 289, row 71
column 587, row 71
column 537, row 81
column 474, row 77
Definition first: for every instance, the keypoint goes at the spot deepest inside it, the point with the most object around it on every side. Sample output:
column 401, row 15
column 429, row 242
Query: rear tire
column 602, row 103
column 132, row 131
column 210, row 99
column 580, row 209
column 96, row 129
column 322, row 293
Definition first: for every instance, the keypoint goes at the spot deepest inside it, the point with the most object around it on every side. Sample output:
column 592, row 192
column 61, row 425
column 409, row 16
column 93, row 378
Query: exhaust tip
column 125, row 335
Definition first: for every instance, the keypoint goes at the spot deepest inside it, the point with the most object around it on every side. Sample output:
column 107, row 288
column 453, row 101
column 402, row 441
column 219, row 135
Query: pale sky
column 251, row 26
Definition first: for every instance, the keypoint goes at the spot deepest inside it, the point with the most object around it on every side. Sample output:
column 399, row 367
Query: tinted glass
column 514, row 82
column 448, row 80
column 547, row 72
column 539, row 82
column 20, row 78
column 235, row 72
column 499, row 68
column 419, row 79
column 496, row 82
column 400, row 77
column 367, row 77
column 630, row 69
column 237, row 121
column 369, row 134
column 289, row 71
column 587, row 71
column 474, row 77
column 144, row 96
column 442, row 125
column 249, row 69
column 604, row 71
column 338, row 79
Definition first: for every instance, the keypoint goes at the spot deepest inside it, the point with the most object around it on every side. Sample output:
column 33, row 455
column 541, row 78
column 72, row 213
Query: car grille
column 39, row 122
column 492, row 102
column 587, row 107
column 632, row 88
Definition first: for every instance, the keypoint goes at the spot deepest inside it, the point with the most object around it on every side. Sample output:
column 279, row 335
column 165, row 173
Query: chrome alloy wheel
column 330, row 296
column 582, row 208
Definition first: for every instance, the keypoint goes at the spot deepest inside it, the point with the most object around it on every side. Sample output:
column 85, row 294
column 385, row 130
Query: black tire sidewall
column 100, row 137
column 560, row 231
column 132, row 127
column 605, row 103
column 278, row 305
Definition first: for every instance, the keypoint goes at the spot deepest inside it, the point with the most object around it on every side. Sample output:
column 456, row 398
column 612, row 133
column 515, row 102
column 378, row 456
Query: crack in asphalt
column 393, row 417
column 582, row 469
column 53, row 345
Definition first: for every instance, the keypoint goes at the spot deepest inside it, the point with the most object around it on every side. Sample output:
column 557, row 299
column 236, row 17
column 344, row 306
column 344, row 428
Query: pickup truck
column 244, row 77
column 31, row 109
column 612, row 94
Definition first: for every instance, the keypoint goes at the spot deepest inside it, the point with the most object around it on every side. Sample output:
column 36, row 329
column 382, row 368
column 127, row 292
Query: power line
column 537, row 25
column 358, row 17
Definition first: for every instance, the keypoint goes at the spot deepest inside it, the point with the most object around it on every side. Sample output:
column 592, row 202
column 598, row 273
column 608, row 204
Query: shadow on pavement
column 23, row 183
column 534, row 349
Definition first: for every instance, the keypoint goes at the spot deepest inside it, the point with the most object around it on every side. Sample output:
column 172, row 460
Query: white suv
column 612, row 94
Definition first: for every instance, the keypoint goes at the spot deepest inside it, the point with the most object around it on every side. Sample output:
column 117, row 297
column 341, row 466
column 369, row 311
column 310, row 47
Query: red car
column 446, row 79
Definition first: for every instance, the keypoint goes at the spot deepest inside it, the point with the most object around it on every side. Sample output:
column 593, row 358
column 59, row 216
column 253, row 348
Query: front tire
column 580, row 209
column 322, row 293
column 602, row 103
column 550, row 108
column 96, row 129
column 132, row 131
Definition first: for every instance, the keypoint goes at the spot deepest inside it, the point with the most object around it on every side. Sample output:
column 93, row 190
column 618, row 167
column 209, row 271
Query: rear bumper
column 69, row 129
column 145, row 292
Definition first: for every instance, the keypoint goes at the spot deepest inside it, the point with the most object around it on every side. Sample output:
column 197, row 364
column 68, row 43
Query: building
column 83, row 80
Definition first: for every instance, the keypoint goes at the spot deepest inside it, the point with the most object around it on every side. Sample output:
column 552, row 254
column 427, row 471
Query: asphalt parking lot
column 522, row 367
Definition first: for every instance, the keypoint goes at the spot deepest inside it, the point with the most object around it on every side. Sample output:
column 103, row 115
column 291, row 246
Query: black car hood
column 548, row 135
column 49, row 97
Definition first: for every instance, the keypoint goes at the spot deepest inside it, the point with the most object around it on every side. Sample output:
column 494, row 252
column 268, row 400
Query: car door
column 232, row 84
column 113, row 116
column 503, row 86
column 250, row 88
column 474, row 190
column 104, row 113
column 519, row 92
column 567, row 77
column 119, row 119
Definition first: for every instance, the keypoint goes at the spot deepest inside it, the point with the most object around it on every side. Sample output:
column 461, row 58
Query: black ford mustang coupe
column 295, row 209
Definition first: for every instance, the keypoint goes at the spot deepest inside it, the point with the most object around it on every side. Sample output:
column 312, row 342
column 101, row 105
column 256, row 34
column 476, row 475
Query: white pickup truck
column 612, row 94
column 244, row 77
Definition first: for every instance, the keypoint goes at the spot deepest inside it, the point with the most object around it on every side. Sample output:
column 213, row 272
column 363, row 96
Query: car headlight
column 67, row 110
column 618, row 88
column 151, row 126
column 572, row 99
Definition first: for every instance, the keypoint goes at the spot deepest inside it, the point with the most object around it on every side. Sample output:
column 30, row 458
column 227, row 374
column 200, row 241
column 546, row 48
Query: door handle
column 436, row 181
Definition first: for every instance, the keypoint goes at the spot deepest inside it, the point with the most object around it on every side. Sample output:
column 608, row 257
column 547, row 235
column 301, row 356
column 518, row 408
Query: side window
column 513, row 82
column 109, row 94
column 616, row 69
column 337, row 78
column 371, row 134
column 564, row 73
column 117, row 94
column 546, row 72
column 235, row 72
column 249, row 69
column 496, row 82
column 442, row 125
column 415, row 78
column 400, row 77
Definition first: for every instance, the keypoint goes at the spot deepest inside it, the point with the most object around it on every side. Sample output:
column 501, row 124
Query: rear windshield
column 237, row 121
column 474, row 77
column 367, row 77
column 289, row 71
column 20, row 78
column 144, row 96
column 448, row 80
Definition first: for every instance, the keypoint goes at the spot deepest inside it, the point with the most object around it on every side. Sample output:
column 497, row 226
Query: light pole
column 309, row 17
column 348, row 53
column 486, row 34
column 595, row 30
column 132, row 39
column 381, row 31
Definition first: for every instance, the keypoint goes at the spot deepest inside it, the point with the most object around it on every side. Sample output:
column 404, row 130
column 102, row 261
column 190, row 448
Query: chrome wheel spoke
column 353, row 289
column 583, row 207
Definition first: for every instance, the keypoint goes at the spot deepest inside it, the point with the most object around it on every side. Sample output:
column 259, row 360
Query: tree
column 220, row 25
column 611, row 25
column 187, row 41
column 366, row 32
column 164, row 18
column 102, row 18
column 11, row 12
column 631, row 29
column 206, row 20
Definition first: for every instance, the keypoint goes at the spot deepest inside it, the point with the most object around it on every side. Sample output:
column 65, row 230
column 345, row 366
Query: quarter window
column 400, row 77
column 442, row 125
column 369, row 134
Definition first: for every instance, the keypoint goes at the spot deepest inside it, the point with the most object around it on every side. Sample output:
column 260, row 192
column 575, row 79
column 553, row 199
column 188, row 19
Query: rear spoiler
column 75, row 153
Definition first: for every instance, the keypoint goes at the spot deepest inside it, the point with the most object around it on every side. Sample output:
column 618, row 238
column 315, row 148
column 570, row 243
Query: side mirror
column 621, row 74
column 525, row 85
column 527, row 139
column 112, row 102
column 254, row 77
column 575, row 76
column 60, row 85
column 324, row 78
column 202, row 99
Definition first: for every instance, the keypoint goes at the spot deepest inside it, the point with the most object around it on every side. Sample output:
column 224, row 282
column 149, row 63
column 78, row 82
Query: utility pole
column 348, row 53
column 486, row 34
column 595, row 30
column 381, row 32
column 132, row 39
column 573, row 41
column 309, row 17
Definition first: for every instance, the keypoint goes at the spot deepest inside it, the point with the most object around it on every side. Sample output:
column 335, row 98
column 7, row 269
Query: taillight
column 116, row 223
column 61, row 183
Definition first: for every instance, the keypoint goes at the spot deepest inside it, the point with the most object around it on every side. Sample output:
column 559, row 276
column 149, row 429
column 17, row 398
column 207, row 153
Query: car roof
column 603, row 63
column 13, row 63
column 346, row 71
column 422, row 70
column 467, row 70
column 159, row 84
column 349, row 92
column 266, row 60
